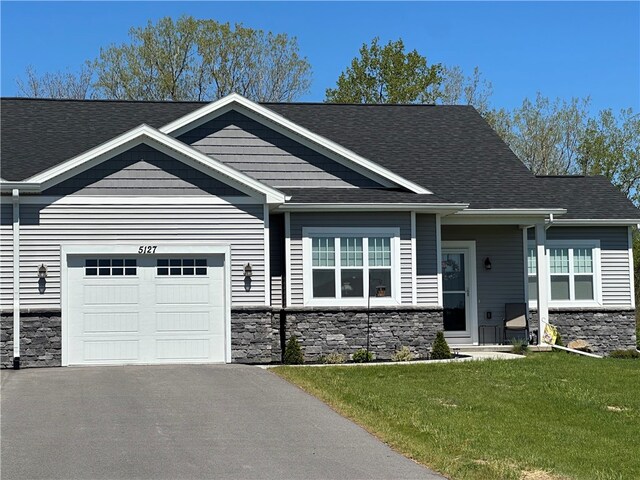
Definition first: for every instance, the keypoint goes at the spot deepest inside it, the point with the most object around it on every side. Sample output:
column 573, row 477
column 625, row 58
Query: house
column 185, row 232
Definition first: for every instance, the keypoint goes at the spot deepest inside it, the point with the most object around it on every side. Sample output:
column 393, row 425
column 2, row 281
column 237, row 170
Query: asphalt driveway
column 171, row 422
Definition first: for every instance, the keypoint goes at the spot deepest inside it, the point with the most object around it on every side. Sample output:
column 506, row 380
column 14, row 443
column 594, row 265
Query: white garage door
column 145, row 309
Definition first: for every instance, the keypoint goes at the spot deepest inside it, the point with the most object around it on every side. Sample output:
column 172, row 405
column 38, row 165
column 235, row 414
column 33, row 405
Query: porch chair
column 515, row 319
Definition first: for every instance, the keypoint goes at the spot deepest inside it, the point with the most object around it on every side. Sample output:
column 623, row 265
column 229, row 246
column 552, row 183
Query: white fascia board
column 161, row 141
column 446, row 208
column 225, row 104
column 595, row 222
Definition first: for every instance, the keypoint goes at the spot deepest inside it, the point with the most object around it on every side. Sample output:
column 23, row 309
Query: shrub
column 362, row 356
column 334, row 358
column 631, row 353
column 520, row 346
column 293, row 352
column 403, row 355
column 559, row 340
column 440, row 348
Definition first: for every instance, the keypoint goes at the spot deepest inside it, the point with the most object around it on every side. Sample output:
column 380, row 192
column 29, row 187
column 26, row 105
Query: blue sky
column 559, row 49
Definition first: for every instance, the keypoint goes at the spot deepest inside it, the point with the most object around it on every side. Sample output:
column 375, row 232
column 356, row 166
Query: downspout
column 16, row 278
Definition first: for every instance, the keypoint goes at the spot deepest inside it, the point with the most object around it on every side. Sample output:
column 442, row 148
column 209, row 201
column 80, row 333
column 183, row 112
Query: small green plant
column 293, row 352
column 362, row 356
column 440, row 348
column 627, row 354
column 559, row 340
column 334, row 358
column 520, row 346
column 403, row 355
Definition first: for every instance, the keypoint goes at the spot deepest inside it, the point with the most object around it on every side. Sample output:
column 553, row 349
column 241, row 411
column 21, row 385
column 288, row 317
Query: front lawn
column 569, row 416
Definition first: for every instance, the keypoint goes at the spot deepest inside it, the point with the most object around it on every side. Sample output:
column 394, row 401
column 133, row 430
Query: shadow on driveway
column 182, row 421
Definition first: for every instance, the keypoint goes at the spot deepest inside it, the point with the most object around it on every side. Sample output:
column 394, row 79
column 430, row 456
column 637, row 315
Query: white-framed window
column 574, row 272
column 351, row 266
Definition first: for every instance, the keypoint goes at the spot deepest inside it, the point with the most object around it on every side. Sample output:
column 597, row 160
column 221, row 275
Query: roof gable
column 269, row 156
column 286, row 127
column 165, row 144
column 143, row 170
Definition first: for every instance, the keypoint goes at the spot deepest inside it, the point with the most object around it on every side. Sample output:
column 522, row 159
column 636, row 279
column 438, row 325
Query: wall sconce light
column 487, row 264
column 42, row 271
column 248, row 272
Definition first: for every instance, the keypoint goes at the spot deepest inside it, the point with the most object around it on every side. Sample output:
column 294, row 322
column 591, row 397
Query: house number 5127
column 147, row 249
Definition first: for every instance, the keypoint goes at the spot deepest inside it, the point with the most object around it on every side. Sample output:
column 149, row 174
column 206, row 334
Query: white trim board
column 166, row 144
column 286, row 127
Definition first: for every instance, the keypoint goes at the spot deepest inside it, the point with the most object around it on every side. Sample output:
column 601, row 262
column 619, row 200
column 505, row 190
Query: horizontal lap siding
column 614, row 258
column 6, row 253
column 44, row 228
column 345, row 220
column 426, row 261
column 143, row 170
column 504, row 283
column 269, row 156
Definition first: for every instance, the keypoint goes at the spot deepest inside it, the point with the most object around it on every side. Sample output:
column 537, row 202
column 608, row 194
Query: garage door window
column 181, row 266
column 108, row 267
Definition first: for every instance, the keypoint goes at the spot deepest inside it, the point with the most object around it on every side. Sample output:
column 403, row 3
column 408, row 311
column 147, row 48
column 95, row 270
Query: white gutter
column 513, row 211
column 334, row 207
column 16, row 277
column 576, row 222
column 25, row 187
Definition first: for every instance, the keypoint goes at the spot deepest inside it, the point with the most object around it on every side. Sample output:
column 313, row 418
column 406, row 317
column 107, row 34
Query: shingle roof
column 450, row 150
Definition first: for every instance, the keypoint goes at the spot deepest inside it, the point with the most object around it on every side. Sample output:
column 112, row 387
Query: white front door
column 459, row 292
column 126, row 309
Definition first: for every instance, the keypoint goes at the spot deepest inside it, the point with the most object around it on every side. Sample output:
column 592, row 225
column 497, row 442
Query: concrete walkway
column 173, row 422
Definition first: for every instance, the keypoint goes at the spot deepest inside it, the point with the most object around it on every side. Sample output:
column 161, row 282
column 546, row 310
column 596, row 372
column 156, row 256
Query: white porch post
column 542, row 269
column 16, row 278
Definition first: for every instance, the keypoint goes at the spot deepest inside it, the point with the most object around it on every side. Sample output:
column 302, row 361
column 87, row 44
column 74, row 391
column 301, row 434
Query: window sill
column 351, row 302
column 567, row 304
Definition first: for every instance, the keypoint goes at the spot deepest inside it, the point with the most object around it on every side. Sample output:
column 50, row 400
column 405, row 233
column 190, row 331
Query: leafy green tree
column 545, row 134
column 387, row 74
column 187, row 59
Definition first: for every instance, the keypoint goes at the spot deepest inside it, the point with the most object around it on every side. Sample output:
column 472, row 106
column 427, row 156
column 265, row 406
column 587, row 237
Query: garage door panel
column 111, row 294
column 177, row 294
column 183, row 349
column 111, row 350
column 112, row 322
column 183, row 321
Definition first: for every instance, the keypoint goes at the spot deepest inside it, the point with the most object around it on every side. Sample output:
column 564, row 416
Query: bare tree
column 60, row 84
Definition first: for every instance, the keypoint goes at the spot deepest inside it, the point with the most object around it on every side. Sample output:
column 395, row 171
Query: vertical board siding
column 45, row 227
column 426, row 260
column 504, row 283
column 269, row 156
column 142, row 170
column 401, row 220
column 614, row 259
column 6, row 253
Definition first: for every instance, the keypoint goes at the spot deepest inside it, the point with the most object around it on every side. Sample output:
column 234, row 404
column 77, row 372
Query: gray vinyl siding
column 276, row 258
column 6, row 253
column 426, row 260
column 400, row 220
column 269, row 156
column 142, row 170
column 504, row 283
column 614, row 258
column 45, row 227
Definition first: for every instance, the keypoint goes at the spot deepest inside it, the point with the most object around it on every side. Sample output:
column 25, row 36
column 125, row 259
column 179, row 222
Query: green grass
column 569, row 416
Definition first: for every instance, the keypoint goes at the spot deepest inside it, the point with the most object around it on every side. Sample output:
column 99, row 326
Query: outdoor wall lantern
column 42, row 271
column 487, row 264
column 248, row 272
